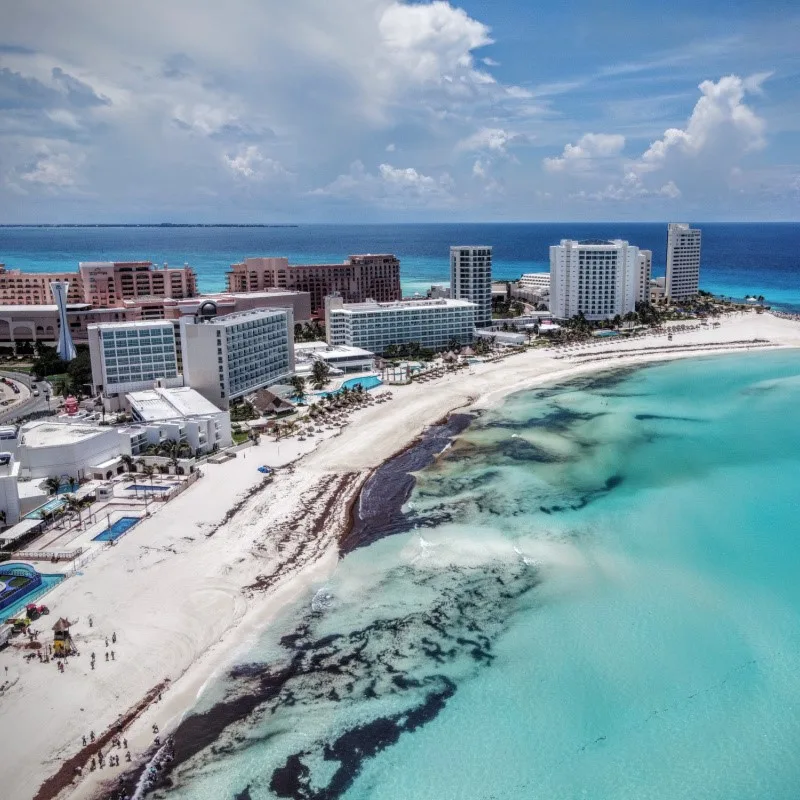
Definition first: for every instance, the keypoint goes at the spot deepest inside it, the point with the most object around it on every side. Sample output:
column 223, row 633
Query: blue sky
column 386, row 110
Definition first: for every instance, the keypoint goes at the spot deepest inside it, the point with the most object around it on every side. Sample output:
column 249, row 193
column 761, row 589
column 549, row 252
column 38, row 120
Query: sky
column 260, row 111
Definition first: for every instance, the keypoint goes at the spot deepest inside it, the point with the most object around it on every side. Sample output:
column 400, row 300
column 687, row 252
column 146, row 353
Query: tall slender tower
column 683, row 261
column 66, row 348
column 471, row 279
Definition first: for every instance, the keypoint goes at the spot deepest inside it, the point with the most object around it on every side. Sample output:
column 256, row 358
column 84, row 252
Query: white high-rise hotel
column 597, row 278
column 683, row 261
column 471, row 279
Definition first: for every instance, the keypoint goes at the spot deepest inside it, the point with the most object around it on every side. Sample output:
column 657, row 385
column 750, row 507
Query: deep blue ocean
column 737, row 259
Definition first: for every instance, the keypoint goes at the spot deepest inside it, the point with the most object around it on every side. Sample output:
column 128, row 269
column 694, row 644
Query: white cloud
column 391, row 147
column 490, row 62
column 630, row 188
column 53, row 170
column 584, row 155
column 390, row 187
column 494, row 140
column 250, row 163
column 721, row 126
column 434, row 41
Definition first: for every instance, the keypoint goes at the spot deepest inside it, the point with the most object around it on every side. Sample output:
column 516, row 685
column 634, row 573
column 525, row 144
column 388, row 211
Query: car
column 35, row 392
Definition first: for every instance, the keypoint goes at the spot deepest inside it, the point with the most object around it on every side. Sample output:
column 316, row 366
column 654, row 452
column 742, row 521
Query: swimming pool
column 46, row 584
column 368, row 382
column 141, row 487
column 51, row 506
column 117, row 529
column 605, row 334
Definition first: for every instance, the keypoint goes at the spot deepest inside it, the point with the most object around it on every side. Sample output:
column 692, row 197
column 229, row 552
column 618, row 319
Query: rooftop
column 372, row 305
column 149, row 323
column 55, row 434
column 323, row 350
column 238, row 316
column 43, row 309
column 152, row 405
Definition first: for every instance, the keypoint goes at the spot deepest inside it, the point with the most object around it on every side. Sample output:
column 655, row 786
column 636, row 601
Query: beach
column 184, row 594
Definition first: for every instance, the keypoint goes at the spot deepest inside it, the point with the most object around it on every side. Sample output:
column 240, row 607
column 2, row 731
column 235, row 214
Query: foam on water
column 595, row 596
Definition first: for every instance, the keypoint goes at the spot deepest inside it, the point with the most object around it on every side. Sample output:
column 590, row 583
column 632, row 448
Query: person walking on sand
column 84, row 741
column 114, row 638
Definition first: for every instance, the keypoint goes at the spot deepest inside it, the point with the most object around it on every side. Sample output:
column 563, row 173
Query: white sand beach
column 185, row 594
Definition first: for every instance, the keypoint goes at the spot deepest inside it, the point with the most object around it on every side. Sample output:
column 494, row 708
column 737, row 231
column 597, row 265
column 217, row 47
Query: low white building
column 536, row 282
column 128, row 356
column 177, row 415
column 340, row 358
column 375, row 326
column 49, row 449
column 506, row 338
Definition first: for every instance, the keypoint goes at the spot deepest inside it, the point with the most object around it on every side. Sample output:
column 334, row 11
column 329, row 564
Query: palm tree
column 320, row 373
column 147, row 471
column 74, row 505
column 298, row 383
column 127, row 461
column 53, row 485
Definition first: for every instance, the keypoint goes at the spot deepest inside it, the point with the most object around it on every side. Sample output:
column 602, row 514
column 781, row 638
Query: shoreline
column 242, row 545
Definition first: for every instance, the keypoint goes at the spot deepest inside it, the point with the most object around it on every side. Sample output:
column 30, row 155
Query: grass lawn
column 240, row 436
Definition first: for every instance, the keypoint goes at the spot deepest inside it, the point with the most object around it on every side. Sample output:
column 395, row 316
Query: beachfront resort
column 279, row 409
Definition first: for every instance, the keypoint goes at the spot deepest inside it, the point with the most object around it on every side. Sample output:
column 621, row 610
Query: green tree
column 320, row 373
column 298, row 384
column 48, row 363
column 53, row 485
column 64, row 385
column 80, row 371
column 74, row 505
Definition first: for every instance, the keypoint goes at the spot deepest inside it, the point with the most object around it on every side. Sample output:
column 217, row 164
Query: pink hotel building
column 125, row 291
column 359, row 278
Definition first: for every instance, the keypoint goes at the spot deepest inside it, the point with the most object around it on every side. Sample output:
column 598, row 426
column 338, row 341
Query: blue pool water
column 48, row 582
column 142, row 487
column 49, row 507
column 605, row 334
column 370, row 382
column 595, row 596
column 117, row 529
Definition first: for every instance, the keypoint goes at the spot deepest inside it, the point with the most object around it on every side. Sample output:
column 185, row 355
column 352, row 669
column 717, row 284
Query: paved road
column 32, row 404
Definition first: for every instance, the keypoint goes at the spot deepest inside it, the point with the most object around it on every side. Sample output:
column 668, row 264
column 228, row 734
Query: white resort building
column 128, row 356
column 56, row 449
column 535, row 282
column 471, row 279
column 230, row 356
column 596, row 277
column 375, row 326
column 178, row 415
column 683, row 261
column 340, row 358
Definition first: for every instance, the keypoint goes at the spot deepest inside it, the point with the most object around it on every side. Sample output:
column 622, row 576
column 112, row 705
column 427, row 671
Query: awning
column 16, row 532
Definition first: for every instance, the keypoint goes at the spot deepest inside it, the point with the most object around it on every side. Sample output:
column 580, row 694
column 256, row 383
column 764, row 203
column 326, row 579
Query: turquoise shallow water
column 600, row 600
